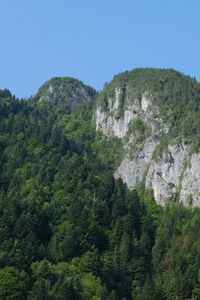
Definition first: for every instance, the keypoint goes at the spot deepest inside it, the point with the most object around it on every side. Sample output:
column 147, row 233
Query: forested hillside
column 68, row 229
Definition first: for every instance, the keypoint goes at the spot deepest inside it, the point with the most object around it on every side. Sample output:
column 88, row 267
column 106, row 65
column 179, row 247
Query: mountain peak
column 156, row 114
column 65, row 90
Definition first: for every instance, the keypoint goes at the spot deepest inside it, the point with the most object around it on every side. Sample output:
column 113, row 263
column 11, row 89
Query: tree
column 13, row 284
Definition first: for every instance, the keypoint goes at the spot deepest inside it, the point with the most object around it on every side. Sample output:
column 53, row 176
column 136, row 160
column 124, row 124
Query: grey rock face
column 176, row 174
column 164, row 175
column 109, row 123
column 190, row 185
column 132, row 170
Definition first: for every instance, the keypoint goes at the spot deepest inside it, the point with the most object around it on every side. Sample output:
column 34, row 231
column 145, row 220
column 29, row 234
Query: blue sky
column 93, row 40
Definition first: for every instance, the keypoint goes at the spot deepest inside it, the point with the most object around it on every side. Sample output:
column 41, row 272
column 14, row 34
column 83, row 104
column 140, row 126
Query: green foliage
column 66, row 91
column 160, row 147
column 13, row 284
column 64, row 242
column 140, row 131
column 68, row 229
column 195, row 145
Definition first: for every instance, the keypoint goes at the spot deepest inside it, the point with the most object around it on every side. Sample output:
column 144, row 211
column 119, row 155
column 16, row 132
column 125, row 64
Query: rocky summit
column 156, row 115
column 65, row 91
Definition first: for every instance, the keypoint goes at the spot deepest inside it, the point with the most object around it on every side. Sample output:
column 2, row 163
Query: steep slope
column 67, row 228
column 156, row 114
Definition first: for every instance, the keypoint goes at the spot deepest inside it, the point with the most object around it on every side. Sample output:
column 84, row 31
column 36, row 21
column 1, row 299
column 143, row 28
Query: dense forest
column 68, row 229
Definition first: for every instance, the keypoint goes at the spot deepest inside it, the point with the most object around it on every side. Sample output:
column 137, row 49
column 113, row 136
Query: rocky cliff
column 156, row 115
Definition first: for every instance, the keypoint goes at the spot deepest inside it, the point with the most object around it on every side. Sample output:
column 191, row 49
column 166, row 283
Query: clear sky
column 93, row 40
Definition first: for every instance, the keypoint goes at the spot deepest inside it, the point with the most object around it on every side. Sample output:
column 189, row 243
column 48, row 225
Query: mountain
column 156, row 114
column 66, row 91
column 99, row 192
